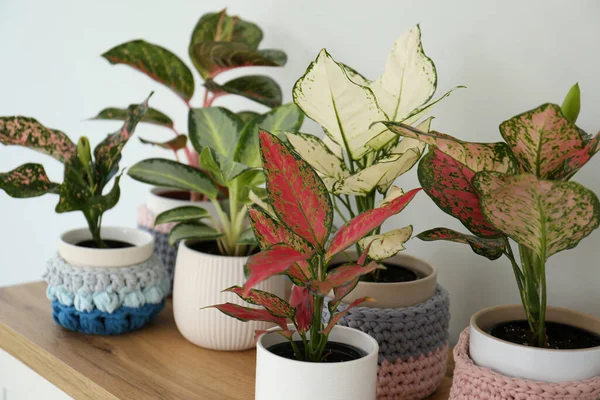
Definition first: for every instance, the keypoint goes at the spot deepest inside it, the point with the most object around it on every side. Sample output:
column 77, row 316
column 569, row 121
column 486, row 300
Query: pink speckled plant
column 519, row 189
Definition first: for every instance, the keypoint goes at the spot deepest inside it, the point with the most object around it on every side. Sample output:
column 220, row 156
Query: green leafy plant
column 294, row 235
column 357, row 158
column 518, row 189
column 85, row 177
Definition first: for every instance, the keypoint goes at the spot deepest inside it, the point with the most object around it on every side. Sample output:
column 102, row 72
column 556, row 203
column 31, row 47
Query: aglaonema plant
column 294, row 236
column 358, row 159
column 517, row 189
column 85, row 176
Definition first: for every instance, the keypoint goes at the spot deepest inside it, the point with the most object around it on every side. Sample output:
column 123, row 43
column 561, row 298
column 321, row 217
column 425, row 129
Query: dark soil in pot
column 392, row 274
column 111, row 244
column 210, row 247
column 185, row 196
column 560, row 336
column 334, row 351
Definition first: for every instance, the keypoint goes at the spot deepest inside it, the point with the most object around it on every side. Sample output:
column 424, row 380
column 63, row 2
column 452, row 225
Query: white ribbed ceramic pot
column 158, row 204
column 199, row 281
column 280, row 378
column 533, row 363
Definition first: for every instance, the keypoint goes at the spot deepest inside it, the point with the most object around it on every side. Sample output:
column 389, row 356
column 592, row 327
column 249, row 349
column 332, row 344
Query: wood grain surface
column 153, row 363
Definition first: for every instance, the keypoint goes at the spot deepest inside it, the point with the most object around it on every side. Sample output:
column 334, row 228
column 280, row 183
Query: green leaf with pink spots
column 275, row 305
column 489, row 248
column 545, row 216
column 28, row 180
column 27, row 132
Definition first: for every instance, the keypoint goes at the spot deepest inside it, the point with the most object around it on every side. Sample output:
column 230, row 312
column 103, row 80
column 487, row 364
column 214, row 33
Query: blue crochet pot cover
column 123, row 320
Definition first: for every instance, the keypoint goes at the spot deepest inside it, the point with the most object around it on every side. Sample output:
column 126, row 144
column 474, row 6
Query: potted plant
column 520, row 189
column 359, row 160
column 98, row 282
column 219, row 43
column 294, row 235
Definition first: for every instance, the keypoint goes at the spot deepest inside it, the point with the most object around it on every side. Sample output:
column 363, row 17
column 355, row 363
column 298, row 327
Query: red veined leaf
column 246, row 314
column 302, row 301
column 269, row 232
column 491, row 248
column 272, row 261
column 341, row 276
column 298, row 196
column 336, row 317
column 359, row 226
column 448, row 183
column 547, row 144
column 273, row 304
column 27, row 180
column 339, row 293
column 299, row 273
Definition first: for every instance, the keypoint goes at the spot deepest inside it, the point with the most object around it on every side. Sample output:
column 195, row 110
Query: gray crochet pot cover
column 166, row 252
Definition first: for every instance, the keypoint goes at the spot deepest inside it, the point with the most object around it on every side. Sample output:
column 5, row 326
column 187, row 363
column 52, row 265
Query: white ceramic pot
column 529, row 362
column 141, row 251
column 158, row 204
column 199, row 281
column 398, row 294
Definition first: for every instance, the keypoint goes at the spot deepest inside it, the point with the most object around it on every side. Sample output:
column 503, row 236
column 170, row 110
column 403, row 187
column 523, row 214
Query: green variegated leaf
column 27, row 180
column 344, row 109
column 247, row 238
column 545, row 216
column 247, row 116
column 356, row 76
column 193, row 231
column 208, row 163
column 152, row 116
column 214, row 127
column 489, row 248
column 156, row 62
column 171, row 174
column 27, row 132
column 177, row 143
column 260, row 88
column 227, row 168
column 386, row 245
column 287, row 117
column 181, row 214
column 221, row 27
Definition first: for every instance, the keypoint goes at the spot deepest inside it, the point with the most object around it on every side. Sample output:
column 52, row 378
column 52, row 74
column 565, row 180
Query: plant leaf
column 260, row 88
column 572, row 104
column 344, row 109
column 247, row 238
column 545, row 216
column 364, row 223
column 547, row 144
column 296, row 192
column 341, row 276
column 270, row 232
column 299, row 273
column 214, row 127
column 27, row 132
column 388, row 244
column 179, row 214
column 220, row 165
column 355, row 76
column 75, row 193
column 27, row 180
column 156, row 62
column 221, row 27
column 303, row 303
column 177, row 143
column 152, row 116
column 247, row 116
column 275, row 305
column 335, row 318
column 246, row 314
column 489, row 248
column 171, row 174
column 193, row 230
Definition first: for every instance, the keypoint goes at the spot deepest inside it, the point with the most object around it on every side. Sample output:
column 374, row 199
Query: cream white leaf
column 386, row 245
column 393, row 193
column 316, row 153
column 333, row 147
column 356, row 76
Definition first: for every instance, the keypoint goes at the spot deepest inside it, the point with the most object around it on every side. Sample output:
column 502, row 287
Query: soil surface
column 560, row 336
column 392, row 274
column 334, row 351
column 112, row 244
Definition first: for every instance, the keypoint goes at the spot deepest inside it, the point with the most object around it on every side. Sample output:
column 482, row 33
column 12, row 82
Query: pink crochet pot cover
column 471, row 382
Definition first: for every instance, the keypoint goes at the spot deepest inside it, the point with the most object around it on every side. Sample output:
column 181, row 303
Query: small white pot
column 280, row 378
column 399, row 294
column 141, row 251
column 530, row 362
column 199, row 281
column 158, row 204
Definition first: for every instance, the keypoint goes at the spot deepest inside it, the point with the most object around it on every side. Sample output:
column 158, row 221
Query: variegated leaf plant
column 85, row 177
column 295, row 240
column 516, row 190
column 358, row 157
column 219, row 43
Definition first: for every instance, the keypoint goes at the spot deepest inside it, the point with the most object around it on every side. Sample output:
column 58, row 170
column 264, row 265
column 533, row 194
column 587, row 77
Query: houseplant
column 86, row 278
column 521, row 190
column 219, row 43
column 213, row 250
column 294, row 238
column 359, row 161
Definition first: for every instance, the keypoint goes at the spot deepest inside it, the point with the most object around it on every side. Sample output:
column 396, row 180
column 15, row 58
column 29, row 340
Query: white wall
column 512, row 56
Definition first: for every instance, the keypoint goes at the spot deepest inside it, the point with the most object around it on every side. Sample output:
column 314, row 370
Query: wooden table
column 153, row 363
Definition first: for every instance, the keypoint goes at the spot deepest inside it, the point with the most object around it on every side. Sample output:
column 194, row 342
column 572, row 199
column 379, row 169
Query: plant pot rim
column 143, row 244
column 511, row 308
column 184, row 244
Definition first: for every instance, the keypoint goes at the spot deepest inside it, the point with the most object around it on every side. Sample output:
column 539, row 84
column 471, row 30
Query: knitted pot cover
column 413, row 345
column 473, row 382
column 162, row 248
column 106, row 301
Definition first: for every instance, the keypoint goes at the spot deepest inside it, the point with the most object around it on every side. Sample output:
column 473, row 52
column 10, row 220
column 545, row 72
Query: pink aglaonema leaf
column 273, row 304
column 27, row 132
column 335, row 318
column 28, row 180
column 339, row 293
column 491, row 248
column 300, row 273
column 272, row 261
column 476, row 156
column 298, row 196
column 448, row 183
column 303, row 302
column 361, row 225
column 269, row 232
column 246, row 314
column 545, row 216
column 341, row 276
column 547, row 144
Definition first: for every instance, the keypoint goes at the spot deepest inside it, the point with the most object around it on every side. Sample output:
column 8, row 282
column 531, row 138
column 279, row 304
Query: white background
column 512, row 56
